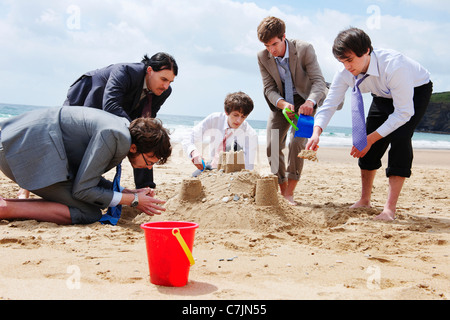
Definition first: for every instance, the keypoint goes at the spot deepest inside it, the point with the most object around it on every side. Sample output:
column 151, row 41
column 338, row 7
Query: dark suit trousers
column 143, row 178
column 400, row 154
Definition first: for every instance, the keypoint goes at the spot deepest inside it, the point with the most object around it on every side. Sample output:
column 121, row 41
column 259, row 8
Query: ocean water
column 180, row 126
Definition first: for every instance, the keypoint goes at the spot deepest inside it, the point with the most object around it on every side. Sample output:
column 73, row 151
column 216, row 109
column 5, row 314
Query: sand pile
column 237, row 200
column 234, row 198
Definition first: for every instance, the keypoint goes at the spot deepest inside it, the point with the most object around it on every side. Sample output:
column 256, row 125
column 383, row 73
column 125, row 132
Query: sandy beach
column 318, row 249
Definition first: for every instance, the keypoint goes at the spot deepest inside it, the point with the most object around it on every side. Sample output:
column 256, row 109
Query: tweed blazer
column 305, row 70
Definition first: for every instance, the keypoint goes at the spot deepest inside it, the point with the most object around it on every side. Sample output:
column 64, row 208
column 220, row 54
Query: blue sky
column 47, row 44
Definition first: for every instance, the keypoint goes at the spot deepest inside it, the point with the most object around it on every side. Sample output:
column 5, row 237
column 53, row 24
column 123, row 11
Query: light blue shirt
column 282, row 72
column 391, row 75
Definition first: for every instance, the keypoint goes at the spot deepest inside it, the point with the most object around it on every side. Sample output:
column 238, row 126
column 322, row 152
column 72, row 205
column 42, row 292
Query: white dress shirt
column 391, row 75
column 117, row 197
column 212, row 130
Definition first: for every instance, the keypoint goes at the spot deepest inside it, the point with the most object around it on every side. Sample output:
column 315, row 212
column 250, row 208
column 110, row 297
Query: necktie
column 112, row 215
column 288, row 87
column 147, row 109
column 359, row 133
column 221, row 148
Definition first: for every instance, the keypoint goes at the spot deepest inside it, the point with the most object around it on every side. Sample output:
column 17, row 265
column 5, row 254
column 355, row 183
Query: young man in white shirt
column 401, row 90
column 215, row 127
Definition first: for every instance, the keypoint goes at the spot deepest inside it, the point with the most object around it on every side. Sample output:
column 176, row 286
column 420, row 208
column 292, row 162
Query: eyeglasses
column 150, row 163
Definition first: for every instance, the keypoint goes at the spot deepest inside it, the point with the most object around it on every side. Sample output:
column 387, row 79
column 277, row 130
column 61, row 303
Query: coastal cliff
column 437, row 116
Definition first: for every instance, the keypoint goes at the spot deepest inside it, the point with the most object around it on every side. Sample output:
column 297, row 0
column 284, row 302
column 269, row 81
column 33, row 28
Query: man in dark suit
column 129, row 90
column 61, row 153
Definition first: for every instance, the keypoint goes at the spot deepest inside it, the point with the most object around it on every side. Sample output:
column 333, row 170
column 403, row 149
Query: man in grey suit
column 129, row 90
column 60, row 154
column 308, row 88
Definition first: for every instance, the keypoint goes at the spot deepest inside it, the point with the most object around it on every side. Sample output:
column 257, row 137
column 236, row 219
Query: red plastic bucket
column 169, row 251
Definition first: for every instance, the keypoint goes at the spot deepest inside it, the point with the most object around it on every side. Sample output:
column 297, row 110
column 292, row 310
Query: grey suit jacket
column 306, row 74
column 51, row 145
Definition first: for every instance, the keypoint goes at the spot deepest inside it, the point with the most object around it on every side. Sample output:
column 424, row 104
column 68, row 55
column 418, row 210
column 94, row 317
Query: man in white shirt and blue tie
column 401, row 90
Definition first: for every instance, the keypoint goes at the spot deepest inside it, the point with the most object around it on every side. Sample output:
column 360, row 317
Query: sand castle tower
column 266, row 191
column 191, row 189
column 231, row 161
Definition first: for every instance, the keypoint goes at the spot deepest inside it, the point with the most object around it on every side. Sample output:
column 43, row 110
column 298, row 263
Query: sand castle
column 231, row 161
column 191, row 189
column 266, row 191
column 244, row 184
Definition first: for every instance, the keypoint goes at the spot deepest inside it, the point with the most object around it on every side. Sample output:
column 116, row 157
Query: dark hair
column 238, row 101
column 161, row 61
column 352, row 39
column 149, row 135
column 270, row 28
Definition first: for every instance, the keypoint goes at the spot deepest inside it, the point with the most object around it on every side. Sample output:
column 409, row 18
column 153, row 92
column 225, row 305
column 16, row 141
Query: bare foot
column 386, row 215
column 360, row 204
column 23, row 194
column 291, row 200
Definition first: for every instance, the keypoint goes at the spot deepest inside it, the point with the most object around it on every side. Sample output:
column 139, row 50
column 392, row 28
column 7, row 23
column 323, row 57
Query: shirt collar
column 144, row 87
column 225, row 123
column 373, row 66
